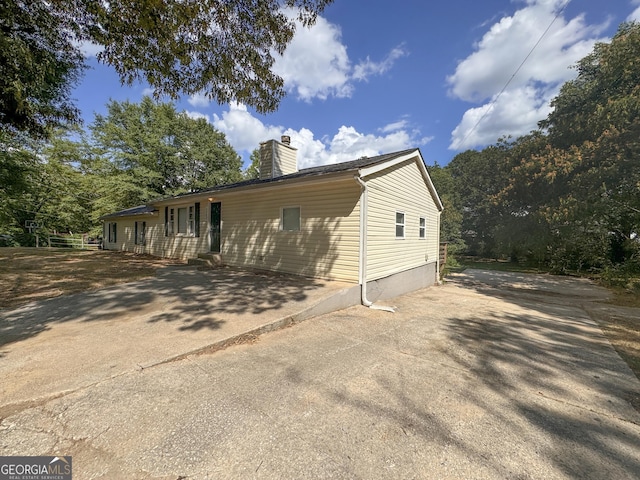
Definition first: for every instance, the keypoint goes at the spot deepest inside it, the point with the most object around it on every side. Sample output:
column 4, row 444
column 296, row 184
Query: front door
column 214, row 229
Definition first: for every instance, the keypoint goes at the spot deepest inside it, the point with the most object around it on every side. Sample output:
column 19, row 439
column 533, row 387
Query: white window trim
column 174, row 225
column 171, row 221
column 403, row 224
column 422, row 230
column 282, row 209
column 140, row 228
column 112, row 232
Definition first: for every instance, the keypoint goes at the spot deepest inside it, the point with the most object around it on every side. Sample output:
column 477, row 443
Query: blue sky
column 374, row 76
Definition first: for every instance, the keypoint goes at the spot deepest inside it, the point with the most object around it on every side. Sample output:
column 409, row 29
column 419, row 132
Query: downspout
column 362, row 264
column 438, row 282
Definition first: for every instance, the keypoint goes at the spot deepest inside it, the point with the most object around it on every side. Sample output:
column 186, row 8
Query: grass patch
column 28, row 274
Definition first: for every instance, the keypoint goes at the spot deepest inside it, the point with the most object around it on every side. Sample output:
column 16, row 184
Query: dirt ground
column 28, row 274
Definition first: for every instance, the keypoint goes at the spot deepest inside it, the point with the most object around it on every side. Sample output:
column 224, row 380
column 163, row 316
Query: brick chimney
column 277, row 158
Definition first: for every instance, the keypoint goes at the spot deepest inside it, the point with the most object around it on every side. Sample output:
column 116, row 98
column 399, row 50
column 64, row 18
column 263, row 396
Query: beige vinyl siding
column 125, row 234
column 182, row 246
column 277, row 159
column 156, row 243
column 326, row 246
column 399, row 189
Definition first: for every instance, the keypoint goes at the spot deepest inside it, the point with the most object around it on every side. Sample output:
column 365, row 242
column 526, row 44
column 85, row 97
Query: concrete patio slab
column 54, row 346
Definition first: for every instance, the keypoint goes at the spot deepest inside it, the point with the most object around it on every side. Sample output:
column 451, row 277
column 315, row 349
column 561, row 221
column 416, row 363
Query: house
column 374, row 218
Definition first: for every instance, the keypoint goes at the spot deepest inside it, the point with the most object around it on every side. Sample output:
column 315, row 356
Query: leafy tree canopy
column 162, row 151
column 567, row 196
column 39, row 64
column 223, row 49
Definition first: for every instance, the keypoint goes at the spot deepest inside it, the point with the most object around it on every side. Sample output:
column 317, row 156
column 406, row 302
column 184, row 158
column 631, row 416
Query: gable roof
column 128, row 212
column 312, row 171
column 353, row 165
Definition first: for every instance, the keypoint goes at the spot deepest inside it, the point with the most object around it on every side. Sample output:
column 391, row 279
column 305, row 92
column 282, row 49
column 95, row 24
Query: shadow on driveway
column 190, row 299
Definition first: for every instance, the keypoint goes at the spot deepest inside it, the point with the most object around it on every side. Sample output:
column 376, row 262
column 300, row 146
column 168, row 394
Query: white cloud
column 245, row 132
column 635, row 15
column 89, row 49
column 199, row 100
column 197, row 115
column 515, row 113
column 367, row 68
column 392, row 127
column 498, row 55
column 316, row 63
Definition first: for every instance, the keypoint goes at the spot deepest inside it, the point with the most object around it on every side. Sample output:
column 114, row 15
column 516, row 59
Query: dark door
column 214, row 230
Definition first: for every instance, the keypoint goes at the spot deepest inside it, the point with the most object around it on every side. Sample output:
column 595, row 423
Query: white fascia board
column 366, row 171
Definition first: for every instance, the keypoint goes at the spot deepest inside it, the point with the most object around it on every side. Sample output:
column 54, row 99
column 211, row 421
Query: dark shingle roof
column 305, row 172
column 313, row 171
column 139, row 210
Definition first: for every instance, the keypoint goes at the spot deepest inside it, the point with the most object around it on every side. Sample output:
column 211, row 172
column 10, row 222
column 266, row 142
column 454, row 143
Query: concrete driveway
column 490, row 376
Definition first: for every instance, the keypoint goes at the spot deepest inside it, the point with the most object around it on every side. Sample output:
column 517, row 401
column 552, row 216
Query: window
column 140, row 232
column 399, row 225
column 169, row 215
column 183, row 220
column 423, row 227
column 112, row 232
column 290, row 219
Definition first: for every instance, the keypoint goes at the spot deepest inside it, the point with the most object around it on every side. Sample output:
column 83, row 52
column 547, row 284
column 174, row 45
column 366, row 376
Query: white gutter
column 362, row 264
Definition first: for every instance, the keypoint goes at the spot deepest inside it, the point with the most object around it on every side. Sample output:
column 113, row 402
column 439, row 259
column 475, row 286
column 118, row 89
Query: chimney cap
column 286, row 139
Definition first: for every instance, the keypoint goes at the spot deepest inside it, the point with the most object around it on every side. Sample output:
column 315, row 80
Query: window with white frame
column 290, row 219
column 140, row 233
column 183, row 220
column 112, row 237
column 399, row 224
column 423, row 228
column 171, row 220
column 183, row 224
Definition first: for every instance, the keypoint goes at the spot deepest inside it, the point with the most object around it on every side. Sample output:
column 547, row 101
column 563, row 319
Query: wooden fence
column 82, row 242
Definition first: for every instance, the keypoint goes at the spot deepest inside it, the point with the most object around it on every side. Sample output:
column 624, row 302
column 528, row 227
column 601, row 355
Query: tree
column 605, row 93
column 221, row 49
column 39, row 64
column 598, row 117
column 44, row 185
column 451, row 218
column 478, row 178
column 253, row 171
column 160, row 151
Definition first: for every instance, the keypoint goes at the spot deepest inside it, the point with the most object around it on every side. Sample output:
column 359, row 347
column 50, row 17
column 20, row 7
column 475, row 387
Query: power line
column 495, row 100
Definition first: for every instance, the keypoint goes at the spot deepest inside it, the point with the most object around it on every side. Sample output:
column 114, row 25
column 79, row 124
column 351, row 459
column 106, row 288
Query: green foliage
column 567, row 197
column 159, row 151
column 42, row 184
column 451, row 217
column 223, row 50
column 253, row 171
column 478, row 177
column 137, row 152
column 39, row 65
